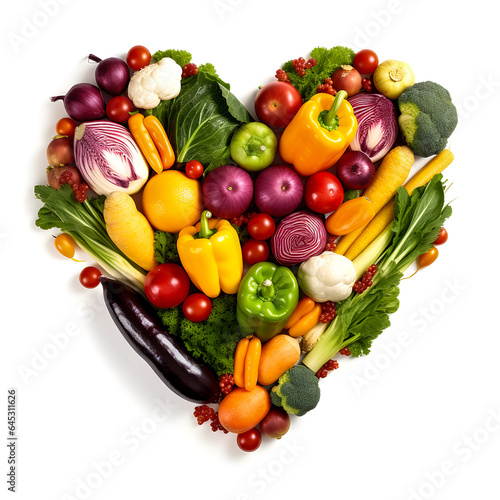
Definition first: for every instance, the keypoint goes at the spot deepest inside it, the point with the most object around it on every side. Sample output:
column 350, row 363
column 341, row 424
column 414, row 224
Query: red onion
column 83, row 102
column 227, row 191
column 278, row 190
column 377, row 125
column 355, row 170
column 112, row 74
column 298, row 237
column 347, row 78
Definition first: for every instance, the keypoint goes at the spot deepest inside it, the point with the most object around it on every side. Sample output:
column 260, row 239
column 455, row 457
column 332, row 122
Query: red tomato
column 261, row 226
column 365, row 61
column 277, row 103
column 194, row 169
column 197, row 307
column 89, row 277
column 166, row 285
column 119, row 108
column 323, row 192
column 442, row 237
column 249, row 440
column 254, row 251
column 138, row 57
column 66, row 126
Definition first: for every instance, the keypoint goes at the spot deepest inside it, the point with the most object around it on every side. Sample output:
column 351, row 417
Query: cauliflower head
column 157, row 82
column 328, row 276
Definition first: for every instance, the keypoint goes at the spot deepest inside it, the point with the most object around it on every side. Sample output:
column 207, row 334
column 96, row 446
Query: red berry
column 226, row 383
column 189, row 69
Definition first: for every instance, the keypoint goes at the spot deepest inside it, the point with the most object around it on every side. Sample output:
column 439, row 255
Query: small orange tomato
column 65, row 245
column 66, row 126
column 351, row 215
column 427, row 258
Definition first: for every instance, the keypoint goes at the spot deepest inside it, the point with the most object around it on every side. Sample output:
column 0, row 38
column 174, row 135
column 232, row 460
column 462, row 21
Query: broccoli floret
column 213, row 340
column 428, row 117
column 166, row 248
column 297, row 391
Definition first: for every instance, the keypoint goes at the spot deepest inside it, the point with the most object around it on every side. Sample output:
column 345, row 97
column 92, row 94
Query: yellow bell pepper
column 210, row 252
column 319, row 133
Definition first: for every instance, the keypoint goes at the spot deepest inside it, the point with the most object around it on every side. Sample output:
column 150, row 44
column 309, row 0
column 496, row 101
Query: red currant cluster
column 282, row 76
column 79, row 189
column 300, row 65
column 367, row 85
column 366, row 281
column 327, row 87
column 328, row 312
column 330, row 244
column 204, row 413
column 329, row 366
column 189, row 69
column 345, row 351
column 226, row 383
column 243, row 218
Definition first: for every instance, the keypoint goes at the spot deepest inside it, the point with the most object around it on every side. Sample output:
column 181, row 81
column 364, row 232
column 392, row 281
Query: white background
column 417, row 418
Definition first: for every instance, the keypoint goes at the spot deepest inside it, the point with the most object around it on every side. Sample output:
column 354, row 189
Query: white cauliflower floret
column 328, row 276
column 157, row 82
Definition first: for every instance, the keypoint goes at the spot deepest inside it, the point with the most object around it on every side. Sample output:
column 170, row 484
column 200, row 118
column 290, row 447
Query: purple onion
column 227, row 191
column 298, row 237
column 111, row 75
column 278, row 190
column 83, row 102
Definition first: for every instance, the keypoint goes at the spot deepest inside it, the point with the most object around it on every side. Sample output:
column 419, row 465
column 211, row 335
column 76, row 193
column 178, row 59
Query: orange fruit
column 172, row 201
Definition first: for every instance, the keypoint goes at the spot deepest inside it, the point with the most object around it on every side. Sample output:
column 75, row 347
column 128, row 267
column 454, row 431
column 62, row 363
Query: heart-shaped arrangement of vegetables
column 237, row 256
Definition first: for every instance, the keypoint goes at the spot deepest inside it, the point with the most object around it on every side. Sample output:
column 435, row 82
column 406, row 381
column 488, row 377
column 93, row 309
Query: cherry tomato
column 197, row 307
column 323, row 192
column 254, row 251
column 442, row 237
column 138, row 57
column 119, row 108
column 261, row 226
column 66, row 126
column 277, row 103
column 194, row 169
column 65, row 245
column 427, row 258
column 249, row 440
column 89, row 277
column 166, row 285
column 365, row 61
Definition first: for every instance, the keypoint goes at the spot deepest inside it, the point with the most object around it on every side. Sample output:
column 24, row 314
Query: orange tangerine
column 172, row 201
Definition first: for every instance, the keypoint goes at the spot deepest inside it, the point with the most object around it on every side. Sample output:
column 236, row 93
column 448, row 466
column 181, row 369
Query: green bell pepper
column 267, row 296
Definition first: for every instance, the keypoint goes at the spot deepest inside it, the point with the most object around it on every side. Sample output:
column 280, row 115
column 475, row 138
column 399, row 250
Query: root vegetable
column 241, row 410
column 278, row 355
column 54, row 176
column 60, row 151
column 275, row 424
column 347, row 78
column 129, row 230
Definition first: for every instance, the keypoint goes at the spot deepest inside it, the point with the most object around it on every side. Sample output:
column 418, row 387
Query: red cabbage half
column 377, row 125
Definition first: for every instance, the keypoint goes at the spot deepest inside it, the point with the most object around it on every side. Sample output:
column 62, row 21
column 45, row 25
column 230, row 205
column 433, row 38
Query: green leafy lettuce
column 202, row 118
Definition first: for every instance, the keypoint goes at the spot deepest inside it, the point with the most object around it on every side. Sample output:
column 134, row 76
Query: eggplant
column 138, row 322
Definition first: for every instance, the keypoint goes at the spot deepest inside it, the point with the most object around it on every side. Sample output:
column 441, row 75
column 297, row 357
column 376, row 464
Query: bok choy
column 362, row 317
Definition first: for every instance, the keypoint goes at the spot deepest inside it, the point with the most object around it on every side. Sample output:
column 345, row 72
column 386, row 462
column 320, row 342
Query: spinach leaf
column 201, row 119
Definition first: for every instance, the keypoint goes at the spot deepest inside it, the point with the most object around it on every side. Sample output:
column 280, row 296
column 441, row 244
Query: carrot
column 306, row 322
column 241, row 410
column 278, row 355
column 305, row 306
column 252, row 359
column 390, row 175
column 386, row 215
column 129, row 230
column 239, row 362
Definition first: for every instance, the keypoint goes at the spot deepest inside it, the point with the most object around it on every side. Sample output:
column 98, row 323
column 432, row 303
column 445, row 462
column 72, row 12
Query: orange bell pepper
column 319, row 133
